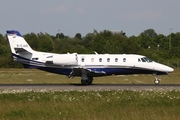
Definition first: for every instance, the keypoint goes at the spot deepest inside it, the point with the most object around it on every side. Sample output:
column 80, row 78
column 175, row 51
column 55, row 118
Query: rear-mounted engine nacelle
column 63, row 59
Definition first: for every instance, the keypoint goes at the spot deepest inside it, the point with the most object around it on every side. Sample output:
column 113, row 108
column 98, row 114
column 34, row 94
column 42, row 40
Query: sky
column 83, row 16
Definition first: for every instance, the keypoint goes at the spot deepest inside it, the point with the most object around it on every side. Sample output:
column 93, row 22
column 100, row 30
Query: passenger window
column 108, row 59
column 82, row 60
column 116, row 59
column 124, row 59
column 100, row 59
column 92, row 59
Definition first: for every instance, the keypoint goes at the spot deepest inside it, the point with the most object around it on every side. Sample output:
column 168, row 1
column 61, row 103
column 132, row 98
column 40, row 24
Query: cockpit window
column 139, row 60
column 147, row 59
column 143, row 60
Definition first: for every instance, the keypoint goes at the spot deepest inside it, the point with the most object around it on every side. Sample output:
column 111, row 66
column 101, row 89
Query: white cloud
column 56, row 10
column 142, row 15
column 61, row 8
column 79, row 10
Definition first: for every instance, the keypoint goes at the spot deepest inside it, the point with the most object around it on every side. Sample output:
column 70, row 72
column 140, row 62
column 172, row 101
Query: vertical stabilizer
column 17, row 42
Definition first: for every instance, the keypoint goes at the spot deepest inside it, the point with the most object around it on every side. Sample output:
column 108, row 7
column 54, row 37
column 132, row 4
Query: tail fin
column 17, row 43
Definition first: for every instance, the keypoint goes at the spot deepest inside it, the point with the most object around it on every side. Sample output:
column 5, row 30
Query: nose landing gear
column 156, row 81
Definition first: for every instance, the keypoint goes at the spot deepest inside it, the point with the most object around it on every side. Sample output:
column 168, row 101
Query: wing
column 89, row 72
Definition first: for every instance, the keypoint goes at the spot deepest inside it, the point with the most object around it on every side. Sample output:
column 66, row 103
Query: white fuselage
column 102, row 62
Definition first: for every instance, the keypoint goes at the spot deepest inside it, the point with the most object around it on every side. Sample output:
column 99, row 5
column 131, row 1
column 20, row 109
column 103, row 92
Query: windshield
column 147, row 59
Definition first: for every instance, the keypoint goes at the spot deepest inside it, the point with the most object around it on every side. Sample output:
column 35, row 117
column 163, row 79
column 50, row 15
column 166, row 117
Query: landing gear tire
column 83, row 82
column 89, row 82
column 156, row 81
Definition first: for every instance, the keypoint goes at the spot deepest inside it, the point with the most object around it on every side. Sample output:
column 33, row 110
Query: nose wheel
column 156, row 81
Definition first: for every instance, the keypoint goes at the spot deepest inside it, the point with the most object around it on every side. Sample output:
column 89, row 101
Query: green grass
column 88, row 105
column 33, row 76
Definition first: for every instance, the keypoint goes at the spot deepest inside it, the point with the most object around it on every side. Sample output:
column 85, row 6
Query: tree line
column 158, row 47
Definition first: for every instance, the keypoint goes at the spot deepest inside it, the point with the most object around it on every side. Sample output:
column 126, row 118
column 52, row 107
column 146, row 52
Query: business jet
column 86, row 66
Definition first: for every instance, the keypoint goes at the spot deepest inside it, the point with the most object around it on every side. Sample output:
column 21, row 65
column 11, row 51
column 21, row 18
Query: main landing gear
column 87, row 81
column 85, row 78
column 156, row 81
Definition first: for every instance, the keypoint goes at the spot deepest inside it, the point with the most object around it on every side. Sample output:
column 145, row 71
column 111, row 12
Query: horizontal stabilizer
column 21, row 50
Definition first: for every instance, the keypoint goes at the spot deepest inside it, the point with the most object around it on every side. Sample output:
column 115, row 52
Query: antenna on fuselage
column 95, row 52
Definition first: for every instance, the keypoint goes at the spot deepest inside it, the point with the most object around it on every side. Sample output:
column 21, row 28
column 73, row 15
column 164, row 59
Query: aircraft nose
column 164, row 68
column 169, row 69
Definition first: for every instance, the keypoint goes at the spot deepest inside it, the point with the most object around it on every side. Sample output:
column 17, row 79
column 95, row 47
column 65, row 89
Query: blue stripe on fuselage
column 108, row 71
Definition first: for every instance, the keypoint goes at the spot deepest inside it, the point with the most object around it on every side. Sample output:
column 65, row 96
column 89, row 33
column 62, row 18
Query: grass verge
column 97, row 105
column 33, row 76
